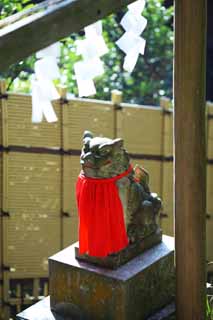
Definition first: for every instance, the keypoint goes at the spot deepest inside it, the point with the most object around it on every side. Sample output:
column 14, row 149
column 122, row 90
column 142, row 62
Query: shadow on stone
column 69, row 311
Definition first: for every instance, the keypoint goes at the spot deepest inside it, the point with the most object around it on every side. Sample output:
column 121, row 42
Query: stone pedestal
column 133, row 291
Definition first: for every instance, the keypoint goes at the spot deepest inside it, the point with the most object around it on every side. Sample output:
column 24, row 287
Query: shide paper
column 51, row 51
column 133, row 22
column 42, row 106
column 89, row 69
column 47, row 67
column 131, row 42
column 137, row 6
column 91, row 49
column 43, row 89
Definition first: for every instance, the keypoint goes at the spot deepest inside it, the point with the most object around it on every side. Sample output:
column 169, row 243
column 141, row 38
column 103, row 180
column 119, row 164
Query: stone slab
column 133, row 291
column 42, row 311
column 114, row 261
column 39, row 311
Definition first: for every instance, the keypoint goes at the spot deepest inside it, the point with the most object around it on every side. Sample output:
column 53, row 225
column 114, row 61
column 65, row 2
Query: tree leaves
column 151, row 78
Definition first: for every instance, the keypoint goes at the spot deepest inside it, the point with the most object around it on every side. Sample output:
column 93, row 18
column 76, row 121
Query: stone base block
column 133, row 291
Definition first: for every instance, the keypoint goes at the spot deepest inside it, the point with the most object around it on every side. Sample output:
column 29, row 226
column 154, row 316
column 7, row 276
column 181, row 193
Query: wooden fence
column 39, row 164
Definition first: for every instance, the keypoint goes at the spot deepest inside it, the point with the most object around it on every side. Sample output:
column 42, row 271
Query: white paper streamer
column 86, row 88
column 131, row 42
column 53, row 51
column 130, row 60
column 47, row 88
column 131, row 21
column 137, row 6
column 84, row 48
column 89, row 69
column 43, row 89
column 91, row 49
column 93, row 29
column 47, row 67
column 41, row 105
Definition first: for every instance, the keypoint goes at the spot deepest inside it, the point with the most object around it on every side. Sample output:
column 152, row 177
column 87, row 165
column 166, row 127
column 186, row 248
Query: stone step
column 42, row 311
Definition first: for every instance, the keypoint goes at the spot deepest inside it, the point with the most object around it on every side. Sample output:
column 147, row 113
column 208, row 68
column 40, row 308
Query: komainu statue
column 118, row 214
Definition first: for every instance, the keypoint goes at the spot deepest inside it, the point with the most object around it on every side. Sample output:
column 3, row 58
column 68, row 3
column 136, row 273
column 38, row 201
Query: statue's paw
column 157, row 203
column 147, row 204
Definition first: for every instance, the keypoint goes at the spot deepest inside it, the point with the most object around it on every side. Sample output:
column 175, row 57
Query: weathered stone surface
column 114, row 261
column 133, row 291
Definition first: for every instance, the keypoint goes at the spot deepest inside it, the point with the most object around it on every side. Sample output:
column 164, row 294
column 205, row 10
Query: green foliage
column 9, row 7
column 209, row 307
column 151, row 78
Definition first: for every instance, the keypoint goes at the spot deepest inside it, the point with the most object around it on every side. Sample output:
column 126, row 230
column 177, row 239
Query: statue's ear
column 87, row 137
column 87, row 134
column 118, row 143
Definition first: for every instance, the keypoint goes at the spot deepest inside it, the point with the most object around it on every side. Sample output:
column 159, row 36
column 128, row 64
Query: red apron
column 101, row 220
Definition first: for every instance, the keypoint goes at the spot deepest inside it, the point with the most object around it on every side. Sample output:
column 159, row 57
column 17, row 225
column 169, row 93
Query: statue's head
column 103, row 157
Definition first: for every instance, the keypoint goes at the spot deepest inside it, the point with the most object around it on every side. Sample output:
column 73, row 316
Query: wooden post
column 209, row 184
column 166, row 171
column 190, row 157
column 116, row 98
column 64, row 138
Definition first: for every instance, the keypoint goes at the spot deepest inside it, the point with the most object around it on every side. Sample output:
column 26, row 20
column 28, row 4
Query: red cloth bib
column 101, row 220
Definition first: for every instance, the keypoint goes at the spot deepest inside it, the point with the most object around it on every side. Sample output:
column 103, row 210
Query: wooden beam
column 190, row 158
column 24, row 37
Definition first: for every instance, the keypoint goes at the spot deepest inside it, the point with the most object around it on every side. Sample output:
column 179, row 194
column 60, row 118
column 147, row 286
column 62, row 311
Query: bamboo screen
column 39, row 164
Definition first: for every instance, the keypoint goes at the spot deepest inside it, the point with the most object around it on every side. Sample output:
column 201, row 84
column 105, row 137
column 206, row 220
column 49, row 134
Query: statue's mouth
column 91, row 166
